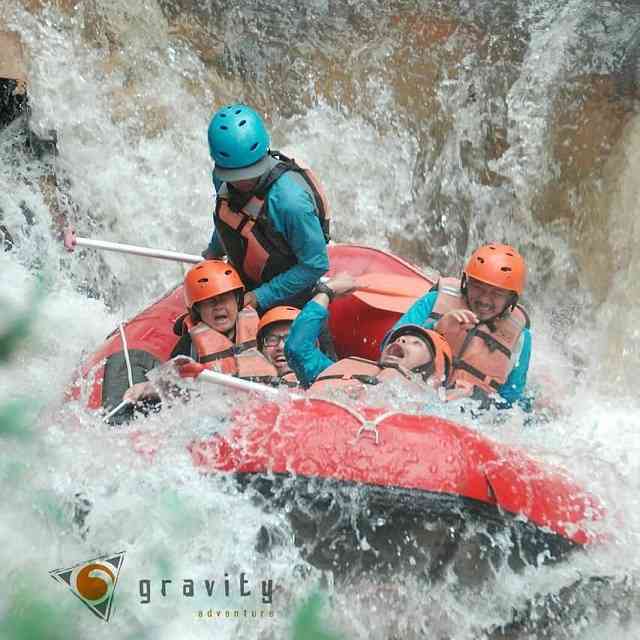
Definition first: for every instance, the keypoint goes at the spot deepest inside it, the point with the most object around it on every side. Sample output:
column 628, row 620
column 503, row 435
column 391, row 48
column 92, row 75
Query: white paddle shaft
column 138, row 251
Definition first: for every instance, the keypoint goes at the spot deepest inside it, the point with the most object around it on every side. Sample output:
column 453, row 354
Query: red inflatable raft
column 366, row 488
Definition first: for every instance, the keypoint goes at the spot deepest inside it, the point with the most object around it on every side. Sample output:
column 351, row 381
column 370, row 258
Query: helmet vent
column 227, row 272
column 224, row 127
column 480, row 260
column 242, row 123
column 254, row 146
column 224, row 153
column 238, row 111
column 505, row 268
column 203, row 280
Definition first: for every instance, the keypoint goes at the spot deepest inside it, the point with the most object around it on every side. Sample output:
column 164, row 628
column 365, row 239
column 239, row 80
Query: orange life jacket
column 240, row 358
column 254, row 247
column 482, row 355
column 352, row 373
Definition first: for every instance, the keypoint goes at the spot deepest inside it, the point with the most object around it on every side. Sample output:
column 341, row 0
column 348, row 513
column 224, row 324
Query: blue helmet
column 238, row 143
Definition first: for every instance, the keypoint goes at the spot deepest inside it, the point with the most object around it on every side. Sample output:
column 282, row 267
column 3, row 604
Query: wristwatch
column 323, row 287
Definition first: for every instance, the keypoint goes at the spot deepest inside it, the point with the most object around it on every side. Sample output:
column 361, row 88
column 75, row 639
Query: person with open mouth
column 218, row 331
column 413, row 354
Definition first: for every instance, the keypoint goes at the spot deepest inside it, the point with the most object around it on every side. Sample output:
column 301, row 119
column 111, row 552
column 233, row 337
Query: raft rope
column 367, row 426
column 125, row 348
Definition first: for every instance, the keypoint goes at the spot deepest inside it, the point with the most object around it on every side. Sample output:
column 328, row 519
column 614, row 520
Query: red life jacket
column 482, row 355
column 253, row 245
column 240, row 358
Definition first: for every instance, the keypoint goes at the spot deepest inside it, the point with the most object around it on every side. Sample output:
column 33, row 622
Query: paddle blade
column 398, row 304
column 393, row 285
column 391, row 292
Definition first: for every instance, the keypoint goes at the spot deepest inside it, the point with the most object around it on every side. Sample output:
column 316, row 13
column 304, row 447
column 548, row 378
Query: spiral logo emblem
column 93, row 582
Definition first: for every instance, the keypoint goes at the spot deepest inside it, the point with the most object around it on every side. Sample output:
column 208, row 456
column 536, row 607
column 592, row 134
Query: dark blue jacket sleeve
column 301, row 347
column 292, row 210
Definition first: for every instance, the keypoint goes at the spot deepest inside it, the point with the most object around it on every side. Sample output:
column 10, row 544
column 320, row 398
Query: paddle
column 189, row 368
column 115, row 410
column 224, row 380
column 390, row 292
column 138, row 251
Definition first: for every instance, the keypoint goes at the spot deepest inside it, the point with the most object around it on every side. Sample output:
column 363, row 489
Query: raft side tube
column 349, row 527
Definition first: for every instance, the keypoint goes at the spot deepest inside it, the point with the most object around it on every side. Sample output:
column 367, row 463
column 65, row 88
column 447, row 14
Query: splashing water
column 434, row 129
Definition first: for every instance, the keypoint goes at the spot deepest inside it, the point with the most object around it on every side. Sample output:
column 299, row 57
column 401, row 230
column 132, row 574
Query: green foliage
column 27, row 617
column 17, row 331
column 307, row 624
column 19, row 326
column 15, row 419
column 17, row 415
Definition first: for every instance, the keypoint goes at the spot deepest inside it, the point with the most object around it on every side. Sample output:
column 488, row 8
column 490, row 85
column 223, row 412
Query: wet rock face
column 441, row 73
column 13, row 100
column 446, row 76
column 13, row 62
column 64, row 6
column 588, row 120
column 502, row 148
column 593, row 121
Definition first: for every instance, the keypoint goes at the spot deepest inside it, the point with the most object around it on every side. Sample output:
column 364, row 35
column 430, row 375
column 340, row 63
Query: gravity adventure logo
column 93, row 582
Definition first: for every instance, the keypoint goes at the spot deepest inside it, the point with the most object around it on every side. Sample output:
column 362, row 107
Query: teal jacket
column 512, row 390
column 301, row 348
column 291, row 208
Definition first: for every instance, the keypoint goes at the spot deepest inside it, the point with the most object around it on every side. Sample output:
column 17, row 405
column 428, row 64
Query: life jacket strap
column 492, row 343
column 231, row 351
column 465, row 366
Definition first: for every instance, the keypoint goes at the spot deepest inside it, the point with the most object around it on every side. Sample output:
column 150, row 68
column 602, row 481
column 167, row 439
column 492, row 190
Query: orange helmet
column 442, row 356
column 499, row 265
column 277, row 314
column 209, row 279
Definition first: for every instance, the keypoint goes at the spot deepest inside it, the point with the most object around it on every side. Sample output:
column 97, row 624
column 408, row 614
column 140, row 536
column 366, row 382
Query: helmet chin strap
column 425, row 371
column 238, row 199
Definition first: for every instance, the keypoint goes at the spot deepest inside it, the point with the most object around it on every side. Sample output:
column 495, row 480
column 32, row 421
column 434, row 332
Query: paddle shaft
column 224, row 380
column 138, row 251
column 113, row 412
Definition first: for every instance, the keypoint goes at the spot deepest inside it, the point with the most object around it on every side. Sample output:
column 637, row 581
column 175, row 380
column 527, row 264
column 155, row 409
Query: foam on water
column 130, row 103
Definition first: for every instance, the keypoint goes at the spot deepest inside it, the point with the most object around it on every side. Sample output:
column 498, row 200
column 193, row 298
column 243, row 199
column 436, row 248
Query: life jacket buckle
column 369, row 427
